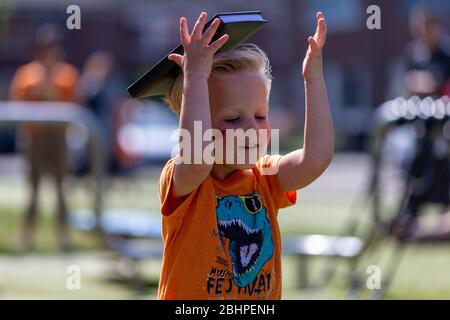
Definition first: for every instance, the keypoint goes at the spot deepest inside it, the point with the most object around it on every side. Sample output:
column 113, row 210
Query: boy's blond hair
column 248, row 57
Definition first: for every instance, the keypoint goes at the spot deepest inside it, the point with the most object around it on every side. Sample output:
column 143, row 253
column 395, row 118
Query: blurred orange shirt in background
column 34, row 82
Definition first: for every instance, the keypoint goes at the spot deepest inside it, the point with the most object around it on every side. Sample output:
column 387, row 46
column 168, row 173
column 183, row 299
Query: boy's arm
column 196, row 64
column 301, row 167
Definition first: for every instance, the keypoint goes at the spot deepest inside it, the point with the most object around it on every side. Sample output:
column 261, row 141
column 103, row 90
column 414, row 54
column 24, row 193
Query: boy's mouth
column 248, row 147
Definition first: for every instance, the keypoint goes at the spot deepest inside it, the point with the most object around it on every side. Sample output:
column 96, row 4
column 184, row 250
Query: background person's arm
column 17, row 89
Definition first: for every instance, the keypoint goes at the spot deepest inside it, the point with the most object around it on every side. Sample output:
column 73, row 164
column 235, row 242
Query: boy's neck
column 221, row 171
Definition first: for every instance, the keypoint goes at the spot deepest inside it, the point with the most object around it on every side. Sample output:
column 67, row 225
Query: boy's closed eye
column 233, row 119
column 236, row 119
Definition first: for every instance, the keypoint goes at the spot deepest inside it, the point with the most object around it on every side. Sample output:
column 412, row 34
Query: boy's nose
column 250, row 123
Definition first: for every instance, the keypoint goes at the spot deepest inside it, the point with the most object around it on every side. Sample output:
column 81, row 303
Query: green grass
column 45, row 239
column 422, row 274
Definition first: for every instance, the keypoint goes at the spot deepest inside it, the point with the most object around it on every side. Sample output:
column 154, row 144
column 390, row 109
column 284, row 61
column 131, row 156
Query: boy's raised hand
column 312, row 64
column 198, row 52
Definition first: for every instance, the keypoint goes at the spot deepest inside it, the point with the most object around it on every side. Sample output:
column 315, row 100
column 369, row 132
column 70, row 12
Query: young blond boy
column 220, row 231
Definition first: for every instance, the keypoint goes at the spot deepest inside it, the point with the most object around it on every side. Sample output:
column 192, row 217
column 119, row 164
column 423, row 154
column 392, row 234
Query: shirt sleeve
column 171, row 206
column 17, row 89
column 68, row 82
column 267, row 167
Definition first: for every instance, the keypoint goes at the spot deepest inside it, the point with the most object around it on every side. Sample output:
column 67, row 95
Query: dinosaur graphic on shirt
column 243, row 220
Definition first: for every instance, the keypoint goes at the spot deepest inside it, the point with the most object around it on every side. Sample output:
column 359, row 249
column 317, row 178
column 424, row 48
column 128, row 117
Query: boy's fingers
column 313, row 45
column 178, row 59
column 198, row 28
column 216, row 45
column 184, row 34
column 319, row 15
column 321, row 30
column 209, row 33
column 321, row 33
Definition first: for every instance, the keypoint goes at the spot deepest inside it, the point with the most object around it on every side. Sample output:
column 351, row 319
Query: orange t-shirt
column 31, row 82
column 223, row 241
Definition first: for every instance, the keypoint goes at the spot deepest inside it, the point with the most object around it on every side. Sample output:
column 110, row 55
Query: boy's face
column 240, row 101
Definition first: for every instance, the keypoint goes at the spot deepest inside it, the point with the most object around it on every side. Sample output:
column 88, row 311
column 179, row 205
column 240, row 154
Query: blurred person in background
column 100, row 87
column 427, row 60
column 428, row 55
column 46, row 78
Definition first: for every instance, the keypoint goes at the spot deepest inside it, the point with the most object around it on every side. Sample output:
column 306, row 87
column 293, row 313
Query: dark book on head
column 158, row 80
